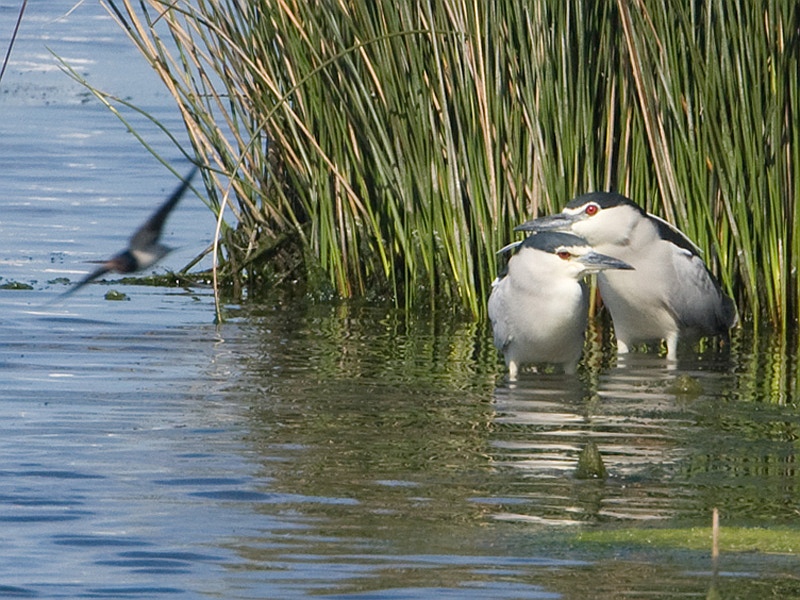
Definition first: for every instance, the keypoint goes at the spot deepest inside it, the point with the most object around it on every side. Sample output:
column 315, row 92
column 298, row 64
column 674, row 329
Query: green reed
column 388, row 149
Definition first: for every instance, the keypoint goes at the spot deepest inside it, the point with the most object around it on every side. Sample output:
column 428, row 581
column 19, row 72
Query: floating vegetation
column 116, row 296
column 392, row 147
column 686, row 386
column 169, row 279
column 781, row 540
column 15, row 285
column 590, row 463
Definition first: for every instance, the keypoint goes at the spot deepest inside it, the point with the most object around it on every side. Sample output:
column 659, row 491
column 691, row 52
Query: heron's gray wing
column 497, row 313
column 667, row 231
column 697, row 299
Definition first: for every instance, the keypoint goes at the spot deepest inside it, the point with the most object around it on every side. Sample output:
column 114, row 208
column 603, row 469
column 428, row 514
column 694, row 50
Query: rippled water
column 336, row 451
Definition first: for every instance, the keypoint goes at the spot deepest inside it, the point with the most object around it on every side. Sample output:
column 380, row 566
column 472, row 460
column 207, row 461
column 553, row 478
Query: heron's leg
column 672, row 346
column 513, row 369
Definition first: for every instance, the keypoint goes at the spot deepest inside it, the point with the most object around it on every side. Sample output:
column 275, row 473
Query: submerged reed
column 388, row 149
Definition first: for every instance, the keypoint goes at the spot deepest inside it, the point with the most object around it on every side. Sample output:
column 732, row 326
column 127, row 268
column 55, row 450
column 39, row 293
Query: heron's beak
column 595, row 262
column 556, row 222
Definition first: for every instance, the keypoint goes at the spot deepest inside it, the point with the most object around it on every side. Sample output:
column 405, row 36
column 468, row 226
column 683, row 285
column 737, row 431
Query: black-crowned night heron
column 144, row 249
column 538, row 308
column 670, row 292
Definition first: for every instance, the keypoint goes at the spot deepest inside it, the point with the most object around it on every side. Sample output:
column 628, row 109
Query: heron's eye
column 563, row 255
column 591, row 209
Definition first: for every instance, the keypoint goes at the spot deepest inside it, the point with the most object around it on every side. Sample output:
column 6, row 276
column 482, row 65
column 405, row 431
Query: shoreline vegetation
column 387, row 150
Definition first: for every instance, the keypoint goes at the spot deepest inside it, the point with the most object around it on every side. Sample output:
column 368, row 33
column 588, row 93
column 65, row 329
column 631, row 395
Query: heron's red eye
column 563, row 255
column 592, row 209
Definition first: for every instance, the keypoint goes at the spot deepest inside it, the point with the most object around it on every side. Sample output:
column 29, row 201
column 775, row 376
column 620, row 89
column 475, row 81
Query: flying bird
column 144, row 249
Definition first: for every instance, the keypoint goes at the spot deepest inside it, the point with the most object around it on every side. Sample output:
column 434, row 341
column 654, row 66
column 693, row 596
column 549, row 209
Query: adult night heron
column 670, row 293
column 538, row 307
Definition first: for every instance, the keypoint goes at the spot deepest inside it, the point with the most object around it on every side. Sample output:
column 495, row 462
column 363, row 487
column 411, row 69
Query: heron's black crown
column 666, row 231
column 551, row 241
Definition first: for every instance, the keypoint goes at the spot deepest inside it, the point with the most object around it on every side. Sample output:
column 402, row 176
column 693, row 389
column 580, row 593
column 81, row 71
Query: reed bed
column 388, row 149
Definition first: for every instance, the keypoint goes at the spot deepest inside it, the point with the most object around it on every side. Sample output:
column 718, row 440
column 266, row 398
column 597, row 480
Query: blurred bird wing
column 149, row 233
column 88, row 279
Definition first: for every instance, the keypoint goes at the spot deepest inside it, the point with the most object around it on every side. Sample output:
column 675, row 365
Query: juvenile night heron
column 669, row 294
column 538, row 307
column 144, row 248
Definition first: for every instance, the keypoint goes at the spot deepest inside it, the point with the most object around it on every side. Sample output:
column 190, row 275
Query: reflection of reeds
column 392, row 147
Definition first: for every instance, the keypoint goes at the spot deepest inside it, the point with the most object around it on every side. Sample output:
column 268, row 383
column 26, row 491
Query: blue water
column 323, row 450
